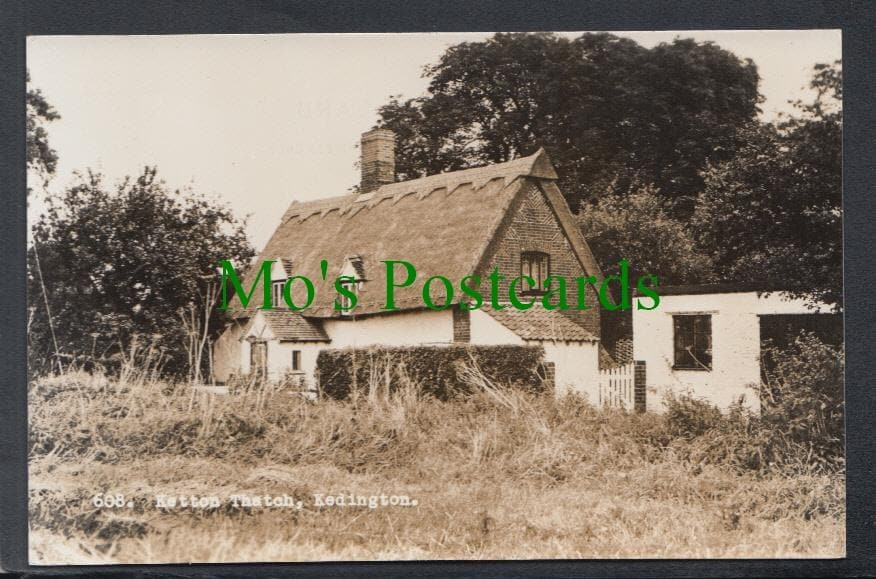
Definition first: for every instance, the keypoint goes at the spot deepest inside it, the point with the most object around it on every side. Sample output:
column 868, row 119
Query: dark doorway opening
column 780, row 330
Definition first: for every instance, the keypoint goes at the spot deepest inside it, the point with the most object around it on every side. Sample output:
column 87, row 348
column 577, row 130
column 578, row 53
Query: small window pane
column 536, row 265
column 692, row 340
column 345, row 301
column 277, row 293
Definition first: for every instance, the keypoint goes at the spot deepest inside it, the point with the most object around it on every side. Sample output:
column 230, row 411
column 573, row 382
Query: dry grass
column 495, row 477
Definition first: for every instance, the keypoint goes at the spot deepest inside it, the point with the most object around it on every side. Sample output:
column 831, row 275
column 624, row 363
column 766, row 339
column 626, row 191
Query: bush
column 798, row 430
column 688, row 417
column 802, row 397
column 435, row 369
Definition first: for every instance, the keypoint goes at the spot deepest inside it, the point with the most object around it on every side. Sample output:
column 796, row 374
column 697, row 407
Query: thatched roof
column 442, row 224
column 537, row 323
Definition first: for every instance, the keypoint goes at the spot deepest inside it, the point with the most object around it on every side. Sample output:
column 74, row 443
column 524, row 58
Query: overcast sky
column 259, row 121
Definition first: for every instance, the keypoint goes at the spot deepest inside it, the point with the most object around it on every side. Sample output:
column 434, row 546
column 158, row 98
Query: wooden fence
column 618, row 387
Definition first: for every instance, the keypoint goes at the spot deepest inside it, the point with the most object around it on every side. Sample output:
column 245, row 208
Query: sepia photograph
column 435, row 296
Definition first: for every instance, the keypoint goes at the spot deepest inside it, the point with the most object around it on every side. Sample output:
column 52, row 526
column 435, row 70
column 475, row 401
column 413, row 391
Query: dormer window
column 279, row 275
column 354, row 271
column 536, row 265
column 277, row 293
column 345, row 300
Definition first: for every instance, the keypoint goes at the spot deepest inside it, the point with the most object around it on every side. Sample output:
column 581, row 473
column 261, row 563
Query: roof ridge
column 536, row 165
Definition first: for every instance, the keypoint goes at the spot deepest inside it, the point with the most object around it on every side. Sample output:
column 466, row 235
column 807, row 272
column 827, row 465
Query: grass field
column 496, row 476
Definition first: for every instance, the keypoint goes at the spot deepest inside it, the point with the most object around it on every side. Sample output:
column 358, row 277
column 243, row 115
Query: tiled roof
column 292, row 326
column 538, row 323
column 442, row 224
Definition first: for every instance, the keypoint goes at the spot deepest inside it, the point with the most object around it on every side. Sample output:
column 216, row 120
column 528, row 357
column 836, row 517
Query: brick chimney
column 378, row 159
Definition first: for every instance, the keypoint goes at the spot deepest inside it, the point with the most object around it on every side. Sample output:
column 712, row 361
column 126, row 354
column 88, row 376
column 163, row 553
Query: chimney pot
column 378, row 159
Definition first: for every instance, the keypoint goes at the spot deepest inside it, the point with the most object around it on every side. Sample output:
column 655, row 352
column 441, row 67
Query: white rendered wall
column 280, row 358
column 486, row 331
column 226, row 352
column 407, row 328
column 735, row 345
column 576, row 364
column 231, row 352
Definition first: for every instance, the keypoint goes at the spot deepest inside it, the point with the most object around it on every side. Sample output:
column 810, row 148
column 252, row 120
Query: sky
column 261, row 120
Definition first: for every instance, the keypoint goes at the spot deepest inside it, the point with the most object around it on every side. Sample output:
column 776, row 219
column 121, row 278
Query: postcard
column 378, row 297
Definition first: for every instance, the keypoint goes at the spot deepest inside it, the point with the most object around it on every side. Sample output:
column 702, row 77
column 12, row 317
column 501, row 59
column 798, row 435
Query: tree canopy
column 607, row 110
column 41, row 157
column 124, row 264
column 774, row 211
column 667, row 136
column 637, row 227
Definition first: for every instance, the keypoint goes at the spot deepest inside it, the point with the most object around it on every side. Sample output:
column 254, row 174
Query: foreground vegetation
column 497, row 475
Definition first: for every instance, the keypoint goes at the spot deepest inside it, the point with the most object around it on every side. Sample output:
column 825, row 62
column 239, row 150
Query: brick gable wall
column 531, row 225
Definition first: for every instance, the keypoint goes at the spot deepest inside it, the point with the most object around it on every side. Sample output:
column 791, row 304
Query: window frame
column 696, row 365
column 277, row 292
column 296, row 360
column 352, row 285
column 529, row 258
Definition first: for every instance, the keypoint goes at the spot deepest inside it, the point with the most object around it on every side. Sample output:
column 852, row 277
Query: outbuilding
column 707, row 340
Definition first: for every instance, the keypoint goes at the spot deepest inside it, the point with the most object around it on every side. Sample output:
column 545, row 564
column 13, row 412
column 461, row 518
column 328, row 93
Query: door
column 258, row 358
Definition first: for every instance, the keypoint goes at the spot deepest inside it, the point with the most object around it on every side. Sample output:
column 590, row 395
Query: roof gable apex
column 541, row 166
column 258, row 329
column 570, row 227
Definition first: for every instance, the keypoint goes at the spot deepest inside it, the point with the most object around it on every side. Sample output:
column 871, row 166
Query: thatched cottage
column 510, row 216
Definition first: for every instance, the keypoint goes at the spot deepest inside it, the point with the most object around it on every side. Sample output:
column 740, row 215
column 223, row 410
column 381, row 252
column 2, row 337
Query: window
column 693, row 342
column 277, row 293
column 296, row 359
column 536, row 265
column 345, row 300
column 354, row 273
column 258, row 358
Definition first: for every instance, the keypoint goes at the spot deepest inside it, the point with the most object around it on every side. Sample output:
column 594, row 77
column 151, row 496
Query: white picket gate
column 617, row 387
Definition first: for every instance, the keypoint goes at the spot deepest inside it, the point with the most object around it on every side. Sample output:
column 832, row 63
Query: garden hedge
column 434, row 369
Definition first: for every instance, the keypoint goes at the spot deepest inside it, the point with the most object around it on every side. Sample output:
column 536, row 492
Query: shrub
column 802, row 397
column 799, row 429
column 436, row 369
column 689, row 417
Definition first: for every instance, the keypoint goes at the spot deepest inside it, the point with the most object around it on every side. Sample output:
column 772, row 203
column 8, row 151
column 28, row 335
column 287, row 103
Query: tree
column 41, row 158
column 124, row 267
column 774, row 212
column 638, row 228
column 605, row 108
